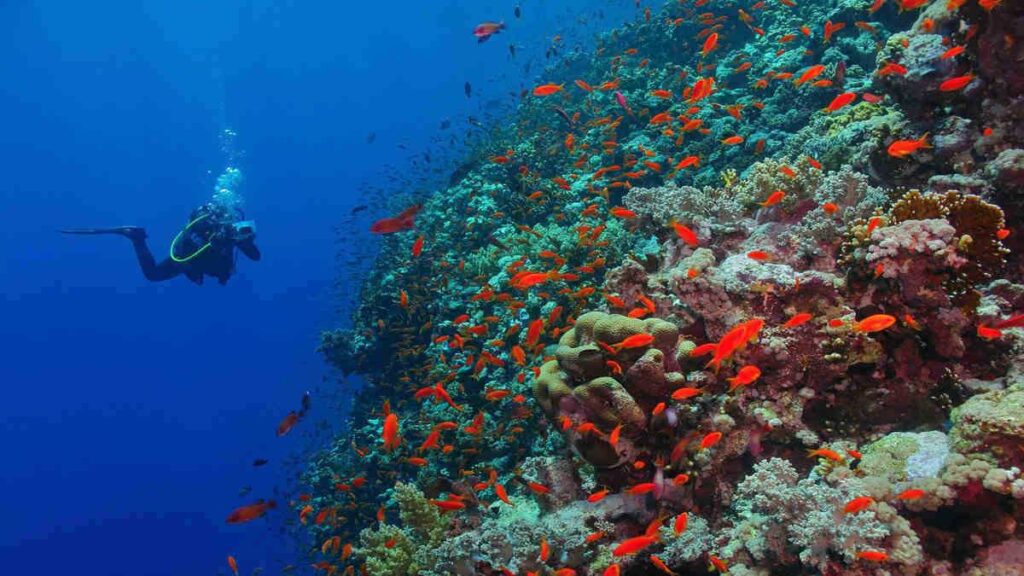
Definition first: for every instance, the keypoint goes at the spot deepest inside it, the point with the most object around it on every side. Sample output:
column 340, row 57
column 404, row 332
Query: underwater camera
column 245, row 228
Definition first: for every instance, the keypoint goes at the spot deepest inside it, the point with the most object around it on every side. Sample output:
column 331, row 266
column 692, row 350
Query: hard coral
column 582, row 386
column 992, row 424
column 976, row 225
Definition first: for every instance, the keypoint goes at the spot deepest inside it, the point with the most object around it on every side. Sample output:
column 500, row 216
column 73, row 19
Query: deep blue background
column 130, row 412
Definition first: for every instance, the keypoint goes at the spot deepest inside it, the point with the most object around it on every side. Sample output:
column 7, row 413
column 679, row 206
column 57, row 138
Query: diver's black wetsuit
column 218, row 261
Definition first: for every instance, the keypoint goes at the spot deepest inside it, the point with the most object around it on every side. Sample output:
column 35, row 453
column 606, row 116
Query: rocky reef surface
column 741, row 293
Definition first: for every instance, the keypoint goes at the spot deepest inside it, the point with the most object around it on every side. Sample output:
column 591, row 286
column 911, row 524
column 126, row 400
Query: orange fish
column 747, row 375
column 250, row 512
column 841, row 101
column 1016, row 321
column 827, row 453
column 873, row 223
column 321, row 516
column 774, row 198
column 831, row 29
column 233, row 565
column 865, row 27
column 710, row 44
column 643, row 488
column 893, row 69
column 547, row 89
column 538, row 488
column 432, row 441
column 389, row 432
column 809, row 74
column 612, row 570
column 797, row 320
column 519, row 355
column 688, row 162
column 952, row 53
column 287, row 423
column 679, row 526
column 911, row 494
column 874, row 323
column 904, row 148
column 685, row 234
column 686, row 393
column 499, row 490
column 710, row 439
column 597, row 496
column 830, row 207
column 634, row 341
column 873, row 555
column 584, row 86
column 624, row 213
column 633, row 545
column 613, row 438
column 858, row 504
column 732, row 140
column 729, row 344
column 417, row 247
column 404, row 221
column 987, row 333
column 494, row 395
column 534, row 331
column 957, row 83
column 703, row 350
column 910, row 321
column 759, row 255
column 661, row 118
column 660, row 565
column 448, row 505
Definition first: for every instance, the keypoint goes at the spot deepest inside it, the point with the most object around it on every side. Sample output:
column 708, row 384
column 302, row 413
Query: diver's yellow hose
column 174, row 243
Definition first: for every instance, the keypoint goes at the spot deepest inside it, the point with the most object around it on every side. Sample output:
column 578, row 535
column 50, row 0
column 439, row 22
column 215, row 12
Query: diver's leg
column 153, row 272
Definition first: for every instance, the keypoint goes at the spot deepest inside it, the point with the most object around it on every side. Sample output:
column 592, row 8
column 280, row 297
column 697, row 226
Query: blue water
column 130, row 411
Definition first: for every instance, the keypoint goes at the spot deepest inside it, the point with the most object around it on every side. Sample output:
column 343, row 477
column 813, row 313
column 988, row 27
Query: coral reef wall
column 738, row 290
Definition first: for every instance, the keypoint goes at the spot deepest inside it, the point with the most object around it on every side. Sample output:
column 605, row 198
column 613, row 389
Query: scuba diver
column 204, row 247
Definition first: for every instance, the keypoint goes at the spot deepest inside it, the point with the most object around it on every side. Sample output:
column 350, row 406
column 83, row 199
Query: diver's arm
column 248, row 247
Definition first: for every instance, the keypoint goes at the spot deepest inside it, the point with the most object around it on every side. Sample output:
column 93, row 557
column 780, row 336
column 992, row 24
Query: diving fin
column 132, row 232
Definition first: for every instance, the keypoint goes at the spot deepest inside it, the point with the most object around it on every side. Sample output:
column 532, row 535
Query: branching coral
column 403, row 550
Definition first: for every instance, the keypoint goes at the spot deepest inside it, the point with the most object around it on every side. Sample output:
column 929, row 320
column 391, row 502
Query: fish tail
column 716, row 362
